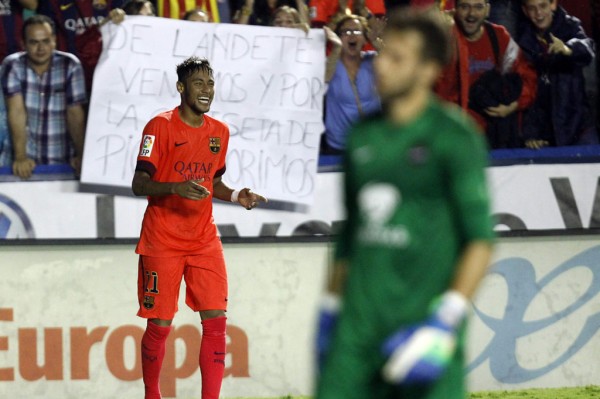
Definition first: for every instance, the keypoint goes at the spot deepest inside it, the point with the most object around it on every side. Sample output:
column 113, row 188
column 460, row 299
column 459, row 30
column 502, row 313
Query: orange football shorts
column 159, row 282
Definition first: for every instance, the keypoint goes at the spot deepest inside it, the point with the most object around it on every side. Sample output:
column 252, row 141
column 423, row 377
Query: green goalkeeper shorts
column 353, row 371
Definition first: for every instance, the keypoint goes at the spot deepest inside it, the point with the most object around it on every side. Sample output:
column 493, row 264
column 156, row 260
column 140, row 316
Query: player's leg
column 352, row 367
column 206, row 283
column 159, row 280
column 212, row 352
column 153, row 353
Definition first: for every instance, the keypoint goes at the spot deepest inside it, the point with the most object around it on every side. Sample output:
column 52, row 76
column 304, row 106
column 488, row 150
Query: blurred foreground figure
column 418, row 236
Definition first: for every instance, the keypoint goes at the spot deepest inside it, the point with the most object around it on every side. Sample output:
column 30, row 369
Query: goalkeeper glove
column 328, row 315
column 420, row 354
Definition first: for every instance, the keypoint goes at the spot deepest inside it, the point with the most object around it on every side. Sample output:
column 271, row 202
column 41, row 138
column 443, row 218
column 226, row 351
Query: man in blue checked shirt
column 45, row 95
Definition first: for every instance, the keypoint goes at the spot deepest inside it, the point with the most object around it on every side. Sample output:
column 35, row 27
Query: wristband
column 452, row 308
column 331, row 302
column 234, row 195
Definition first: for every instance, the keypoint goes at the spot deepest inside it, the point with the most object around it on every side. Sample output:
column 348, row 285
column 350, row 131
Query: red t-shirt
column 482, row 59
column 172, row 151
column 481, row 55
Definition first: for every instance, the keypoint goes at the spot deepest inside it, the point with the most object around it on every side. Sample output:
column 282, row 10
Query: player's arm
column 472, row 267
column 143, row 185
column 245, row 197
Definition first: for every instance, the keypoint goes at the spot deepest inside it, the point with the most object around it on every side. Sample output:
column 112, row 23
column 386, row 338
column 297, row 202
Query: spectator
column 261, row 12
column 289, row 17
column 75, row 17
column 217, row 10
column 45, row 91
column 351, row 92
column 196, row 15
column 488, row 76
column 559, row 48
column 11, row 23
column 89, row 45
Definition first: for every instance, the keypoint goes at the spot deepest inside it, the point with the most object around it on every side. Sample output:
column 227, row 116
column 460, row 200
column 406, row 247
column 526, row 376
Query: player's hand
column 421, row 353
column 250, row 200
column 558, row 46
column 328, row 316
column 23, row 167
column 191, row 189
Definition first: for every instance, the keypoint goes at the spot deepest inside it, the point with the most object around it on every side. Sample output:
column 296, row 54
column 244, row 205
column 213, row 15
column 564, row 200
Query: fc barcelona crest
column 214, row 144
column 148, row 301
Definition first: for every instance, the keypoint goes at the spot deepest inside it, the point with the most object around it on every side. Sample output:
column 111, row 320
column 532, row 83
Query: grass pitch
column 588, row 392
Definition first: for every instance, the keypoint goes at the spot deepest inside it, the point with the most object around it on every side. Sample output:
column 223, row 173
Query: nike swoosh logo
column 179, row 144
column 64, row 7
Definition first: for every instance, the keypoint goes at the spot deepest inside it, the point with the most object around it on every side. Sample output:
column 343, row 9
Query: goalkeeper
column 418, row 236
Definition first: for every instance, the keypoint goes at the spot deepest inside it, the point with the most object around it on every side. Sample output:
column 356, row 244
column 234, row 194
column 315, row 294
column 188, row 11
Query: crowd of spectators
column 521, row 68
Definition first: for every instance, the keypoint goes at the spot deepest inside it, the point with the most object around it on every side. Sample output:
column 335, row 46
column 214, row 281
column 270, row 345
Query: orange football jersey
column 172, row 151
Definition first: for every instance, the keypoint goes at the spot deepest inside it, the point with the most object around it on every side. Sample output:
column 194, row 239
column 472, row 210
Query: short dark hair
column 37, row 19
column 133, row 7
column 192, row 65
column 430, row 24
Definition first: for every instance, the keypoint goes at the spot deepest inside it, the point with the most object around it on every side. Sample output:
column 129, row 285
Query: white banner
column 269, row 91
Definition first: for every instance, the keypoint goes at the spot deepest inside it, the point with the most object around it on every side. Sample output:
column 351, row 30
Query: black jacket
column 561, row 111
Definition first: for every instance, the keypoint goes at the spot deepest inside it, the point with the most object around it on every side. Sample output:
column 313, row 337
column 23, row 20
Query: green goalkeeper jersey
column 415, row 196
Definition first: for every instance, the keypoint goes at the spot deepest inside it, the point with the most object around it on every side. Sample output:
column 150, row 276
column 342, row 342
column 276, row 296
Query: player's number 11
column 154, row 277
